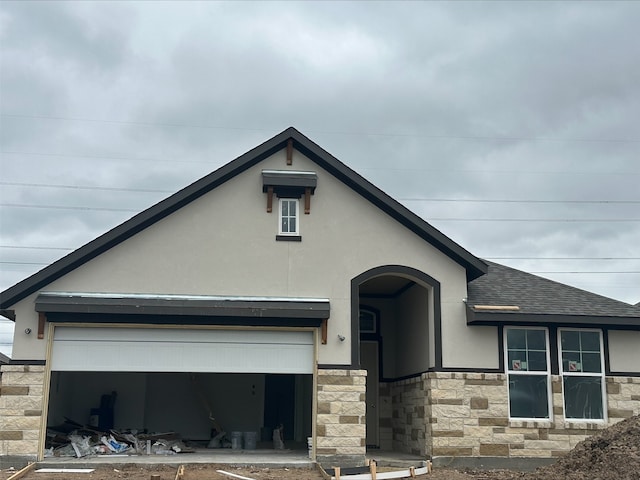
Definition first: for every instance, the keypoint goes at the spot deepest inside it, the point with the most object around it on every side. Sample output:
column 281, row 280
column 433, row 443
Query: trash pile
column 72, row 439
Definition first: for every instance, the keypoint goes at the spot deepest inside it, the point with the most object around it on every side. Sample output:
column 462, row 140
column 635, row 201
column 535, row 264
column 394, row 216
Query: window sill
column 288, row 238
column 530, row 423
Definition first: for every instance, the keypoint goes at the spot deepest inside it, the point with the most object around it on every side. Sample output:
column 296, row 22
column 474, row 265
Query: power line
column 427, row 170
column 79, row 187
column 559, row 258
column 552, row 220
column 449, row 200
column 469, row 200
column 325, row 132
column 536, row 272
column 586, row 272
column 102, row 157
column 66, row 207
column 444, row 219
column 33, row 247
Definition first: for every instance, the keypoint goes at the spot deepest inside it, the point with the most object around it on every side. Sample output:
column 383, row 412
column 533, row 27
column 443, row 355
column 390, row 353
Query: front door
column 369, row 362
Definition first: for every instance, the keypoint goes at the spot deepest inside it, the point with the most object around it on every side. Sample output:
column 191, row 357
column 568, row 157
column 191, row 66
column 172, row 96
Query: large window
column 582, row 366
column 528, row 372
column 288, row 217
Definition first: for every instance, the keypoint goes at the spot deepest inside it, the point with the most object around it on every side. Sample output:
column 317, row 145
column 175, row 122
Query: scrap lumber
column 373, row 474
column 180, row 473
column 22, row 472
column 234, row 475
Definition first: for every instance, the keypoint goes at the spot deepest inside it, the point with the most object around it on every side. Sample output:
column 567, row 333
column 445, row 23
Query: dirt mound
column 613, row 454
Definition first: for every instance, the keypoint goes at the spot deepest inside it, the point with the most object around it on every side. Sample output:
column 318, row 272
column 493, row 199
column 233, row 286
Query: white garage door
column 181, row 350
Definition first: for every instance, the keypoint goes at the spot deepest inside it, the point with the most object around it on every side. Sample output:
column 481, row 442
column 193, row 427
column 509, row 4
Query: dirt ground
column 613, row 454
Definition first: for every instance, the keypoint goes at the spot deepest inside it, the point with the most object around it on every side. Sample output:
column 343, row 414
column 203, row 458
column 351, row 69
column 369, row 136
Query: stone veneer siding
column 21, row 391
column 470, row 417
column 341, row 417
column 410, row 415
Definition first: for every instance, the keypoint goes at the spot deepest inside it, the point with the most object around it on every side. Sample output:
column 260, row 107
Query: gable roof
column 509, row 295
column 474, row 266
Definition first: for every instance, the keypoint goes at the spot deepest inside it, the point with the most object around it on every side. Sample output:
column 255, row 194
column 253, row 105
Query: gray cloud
column 499, row 100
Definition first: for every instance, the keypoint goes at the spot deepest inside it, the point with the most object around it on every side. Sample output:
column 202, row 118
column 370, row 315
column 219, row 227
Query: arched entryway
column 396, row 318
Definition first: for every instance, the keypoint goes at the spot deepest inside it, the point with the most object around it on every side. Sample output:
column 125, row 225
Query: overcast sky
column 513, row 127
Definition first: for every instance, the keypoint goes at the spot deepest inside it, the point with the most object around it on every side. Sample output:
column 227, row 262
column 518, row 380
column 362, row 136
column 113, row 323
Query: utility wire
column 559, row 258
column 433, row 219
column 417, row 199
column 102, row 157
column 471, row 200
column 88, row 187
column 325, row 132
column 66, row 207
column 359, row 168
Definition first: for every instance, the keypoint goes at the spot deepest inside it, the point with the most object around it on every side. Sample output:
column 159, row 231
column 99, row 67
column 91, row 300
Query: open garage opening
column 194, row 407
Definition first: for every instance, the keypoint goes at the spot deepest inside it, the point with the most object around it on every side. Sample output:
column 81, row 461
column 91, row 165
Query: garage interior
column 181, row 402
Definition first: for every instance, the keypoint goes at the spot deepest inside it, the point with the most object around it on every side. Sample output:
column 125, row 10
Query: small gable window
column 288, row 217
column 293, row 190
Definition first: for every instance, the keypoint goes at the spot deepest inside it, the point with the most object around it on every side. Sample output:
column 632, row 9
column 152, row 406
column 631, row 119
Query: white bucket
column 236, row 440
column 250, row 440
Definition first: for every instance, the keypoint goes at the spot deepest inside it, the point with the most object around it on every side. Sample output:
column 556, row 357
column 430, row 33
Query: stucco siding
column 624, row 355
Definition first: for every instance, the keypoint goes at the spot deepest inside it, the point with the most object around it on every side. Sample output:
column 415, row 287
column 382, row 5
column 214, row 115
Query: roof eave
column 506, row 318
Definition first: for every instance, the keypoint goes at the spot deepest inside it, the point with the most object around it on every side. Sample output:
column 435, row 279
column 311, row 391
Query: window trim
column 602, row 375
column 546, row 373
column 295, row 233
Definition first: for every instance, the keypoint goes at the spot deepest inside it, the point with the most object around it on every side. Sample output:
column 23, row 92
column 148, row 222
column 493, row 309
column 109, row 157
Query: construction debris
column 370, row 472
column 75, row 440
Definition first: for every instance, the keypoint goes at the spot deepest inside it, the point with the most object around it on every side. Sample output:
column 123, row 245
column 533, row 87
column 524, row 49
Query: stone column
column 341, row 418
column 21, row 403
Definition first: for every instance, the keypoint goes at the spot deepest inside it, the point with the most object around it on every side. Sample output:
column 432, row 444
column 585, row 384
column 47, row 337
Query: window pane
column 591, row 362
column 516, row 338
column 571, row 362
column 590, row 341
column 285, row 208
column 583, row 397
column 536, row 340
column 292, row 207
column 528, row 396
column 570, row 340
column 292, row 224
column 285, row 225
column 538, row 361
column 517, row 359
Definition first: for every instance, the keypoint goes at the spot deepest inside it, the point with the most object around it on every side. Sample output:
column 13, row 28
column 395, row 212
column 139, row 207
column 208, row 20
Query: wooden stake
column 23, row 472
column 337, row 472
column 180, row 473
column 373, row 470
column 412, row 472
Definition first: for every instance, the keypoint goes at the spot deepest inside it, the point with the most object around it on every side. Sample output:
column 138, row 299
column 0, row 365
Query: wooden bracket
column 307, row 201
column 269, row 199
column 41, row 319
column 323, row 331
column 290, row 152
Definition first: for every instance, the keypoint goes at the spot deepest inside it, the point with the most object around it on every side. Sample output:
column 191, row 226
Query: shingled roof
column 507, row 295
